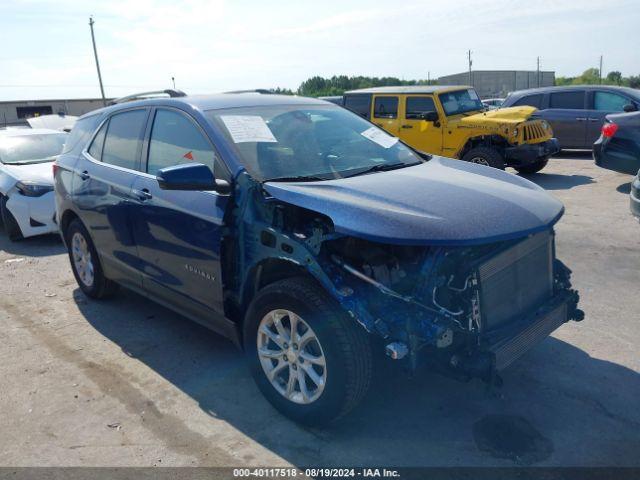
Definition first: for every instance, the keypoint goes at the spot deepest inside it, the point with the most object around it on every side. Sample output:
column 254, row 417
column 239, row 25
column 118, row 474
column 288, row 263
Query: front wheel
column 485, row 156
column 534, row 167
column 86, row 264
column 309, row 359
column 10, row 223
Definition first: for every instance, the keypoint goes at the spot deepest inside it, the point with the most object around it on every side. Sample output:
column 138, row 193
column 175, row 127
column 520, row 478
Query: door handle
column 85, row 175
column 581, row 119
column 143, row 194
column 407, row 126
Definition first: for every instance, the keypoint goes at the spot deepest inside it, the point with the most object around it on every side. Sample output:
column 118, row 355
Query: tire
column 10, row 224
column 89, row 276
column 485, row 156
column 343, row 345
column 533, row 167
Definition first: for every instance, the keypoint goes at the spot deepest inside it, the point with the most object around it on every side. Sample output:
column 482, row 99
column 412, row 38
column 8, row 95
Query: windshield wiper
column 299, row 178
column 385, row 167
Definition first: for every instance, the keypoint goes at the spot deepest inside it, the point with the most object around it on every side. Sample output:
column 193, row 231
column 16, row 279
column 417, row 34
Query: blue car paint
column 442, row 202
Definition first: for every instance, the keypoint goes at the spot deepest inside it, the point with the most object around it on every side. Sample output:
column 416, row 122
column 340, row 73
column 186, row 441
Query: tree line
column 320, row 87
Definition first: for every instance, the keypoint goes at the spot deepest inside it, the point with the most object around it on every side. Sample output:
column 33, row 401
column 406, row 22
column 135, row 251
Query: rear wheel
column 10, row 224
column 309, row 360
column 86, row 264
column 487, row 156
column 533, row 167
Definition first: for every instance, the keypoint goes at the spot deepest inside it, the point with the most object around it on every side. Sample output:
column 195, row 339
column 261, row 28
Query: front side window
column 176, row 140
column 124, row 138
column 417, row 106
column 308, row 142
column 385, row 107
column 567, row 100
column 26, row 149
column 530, row 101
column 609, row 102
column 461, row 101
column 360, row 104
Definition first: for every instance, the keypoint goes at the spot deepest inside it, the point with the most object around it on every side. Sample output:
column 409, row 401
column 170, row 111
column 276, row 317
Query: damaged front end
column 466, row 311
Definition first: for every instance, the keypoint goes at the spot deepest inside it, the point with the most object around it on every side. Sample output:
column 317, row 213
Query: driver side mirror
column 190, row 176
column 429, row 116
column 629, row 107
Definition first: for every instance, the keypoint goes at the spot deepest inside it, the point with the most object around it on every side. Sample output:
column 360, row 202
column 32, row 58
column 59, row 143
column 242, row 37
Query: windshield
column 460, row 101
column 309, row 142
column 36, row 148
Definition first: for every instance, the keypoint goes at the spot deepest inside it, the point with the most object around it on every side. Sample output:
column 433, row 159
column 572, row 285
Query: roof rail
column 262, row 91
column 144, row 95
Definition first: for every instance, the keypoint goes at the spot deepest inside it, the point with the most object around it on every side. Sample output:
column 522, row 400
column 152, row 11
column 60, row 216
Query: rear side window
column 529, row 100
column 609, row 102
column 123, row 140
column 175, row 140
column 360, row 104
column 95, row 150
column 385, row 107
column 416, row 106
column 570, row 100
column 81, row 133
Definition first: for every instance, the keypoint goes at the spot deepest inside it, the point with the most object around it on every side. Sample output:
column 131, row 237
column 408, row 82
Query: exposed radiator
column 515, row 282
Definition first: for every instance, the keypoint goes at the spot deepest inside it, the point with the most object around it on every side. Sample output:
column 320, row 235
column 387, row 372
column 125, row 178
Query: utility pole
column 538, row 73
column 95, row 54
column 429, row 78
column 470, row 63
column 600, row 71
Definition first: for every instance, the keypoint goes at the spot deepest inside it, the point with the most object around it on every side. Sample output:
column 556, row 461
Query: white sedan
column 27, row 205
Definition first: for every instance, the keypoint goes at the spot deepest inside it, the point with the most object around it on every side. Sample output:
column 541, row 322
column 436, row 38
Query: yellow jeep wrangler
column 452, row 122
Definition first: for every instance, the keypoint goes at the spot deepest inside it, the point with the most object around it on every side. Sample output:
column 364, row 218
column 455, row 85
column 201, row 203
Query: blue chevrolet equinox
column 313, row 239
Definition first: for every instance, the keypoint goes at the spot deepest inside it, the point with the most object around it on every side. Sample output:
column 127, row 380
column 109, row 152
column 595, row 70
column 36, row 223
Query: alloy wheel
column 82, row 260
column 291, row 356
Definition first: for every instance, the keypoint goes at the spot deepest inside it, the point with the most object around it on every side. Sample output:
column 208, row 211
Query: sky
column 217, row 45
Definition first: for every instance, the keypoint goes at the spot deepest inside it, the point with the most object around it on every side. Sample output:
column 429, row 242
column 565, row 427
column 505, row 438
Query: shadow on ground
column 555, row 398
column 40, row 246
column 624, row 188
column 555, row 181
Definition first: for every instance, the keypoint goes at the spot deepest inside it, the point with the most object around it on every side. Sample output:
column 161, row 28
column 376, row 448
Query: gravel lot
column 128, row 383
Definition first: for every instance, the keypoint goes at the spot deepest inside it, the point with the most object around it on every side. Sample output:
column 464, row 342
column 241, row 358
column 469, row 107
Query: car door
column 179, row 233
column 421, row 134
column 601, row 103
column 102, row 192
column 565, row 112
column 385, row 113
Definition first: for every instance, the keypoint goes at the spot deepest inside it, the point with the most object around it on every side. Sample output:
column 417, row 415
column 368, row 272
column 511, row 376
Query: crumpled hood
column 441, row 202
column 500, row 116
column 35, row 172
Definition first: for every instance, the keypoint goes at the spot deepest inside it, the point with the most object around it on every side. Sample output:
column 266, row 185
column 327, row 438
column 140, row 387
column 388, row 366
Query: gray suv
column 576, row 113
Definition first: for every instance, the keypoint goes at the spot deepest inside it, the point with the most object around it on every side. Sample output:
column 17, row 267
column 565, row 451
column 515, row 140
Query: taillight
column 55, row 168
column 609, row 130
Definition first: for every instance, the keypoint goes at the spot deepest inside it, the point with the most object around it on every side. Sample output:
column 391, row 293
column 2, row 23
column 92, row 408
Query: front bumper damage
column 530, row 153
column 428, row 335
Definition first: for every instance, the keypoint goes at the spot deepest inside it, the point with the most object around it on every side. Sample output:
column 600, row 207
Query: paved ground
column 126, row 382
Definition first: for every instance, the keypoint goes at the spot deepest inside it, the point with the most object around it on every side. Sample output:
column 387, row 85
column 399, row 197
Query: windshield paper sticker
column 380, row 137
column 248, row 128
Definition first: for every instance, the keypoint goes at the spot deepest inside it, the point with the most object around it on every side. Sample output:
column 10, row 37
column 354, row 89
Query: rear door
column 102, row 191
column 420, row 134
column 179, row 233
column 385, row 113
column 565, row 111
column 601, row 103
